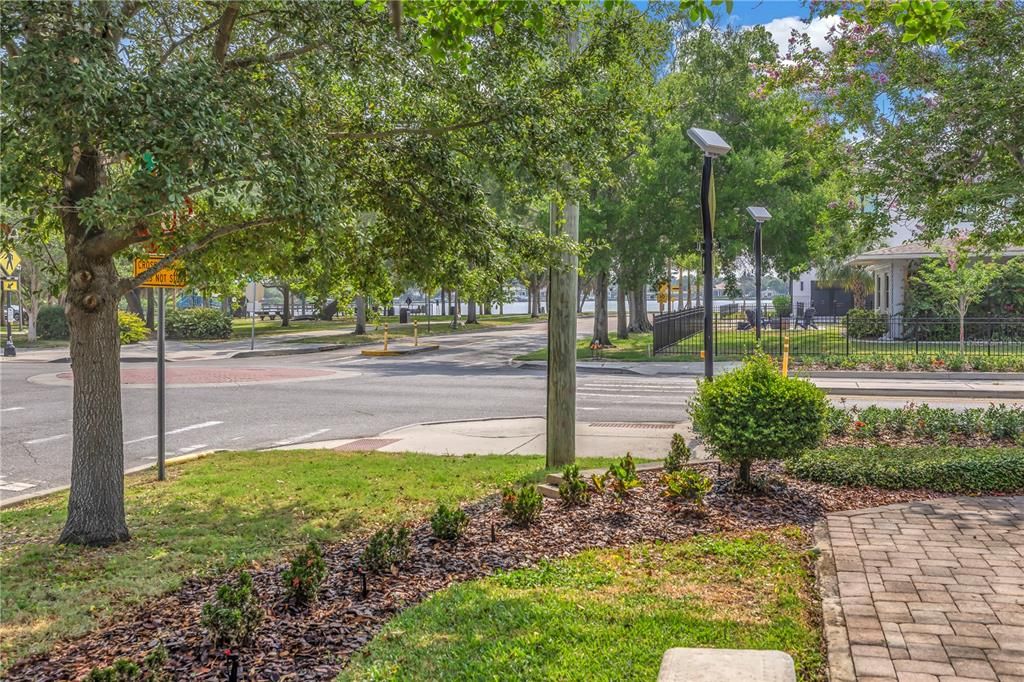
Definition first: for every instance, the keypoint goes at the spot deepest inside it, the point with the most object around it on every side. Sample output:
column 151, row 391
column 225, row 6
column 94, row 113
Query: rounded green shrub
column 132, row 327
column 783, row 305
column 522, row 504
column 51, row 323
column 449, row 523
column 197, row 323
column 756, row 413
column 865, row 324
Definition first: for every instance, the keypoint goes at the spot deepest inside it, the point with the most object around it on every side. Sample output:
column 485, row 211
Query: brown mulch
column 314, row 643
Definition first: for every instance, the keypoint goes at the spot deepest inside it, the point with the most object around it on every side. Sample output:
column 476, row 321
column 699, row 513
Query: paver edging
column 833, row 622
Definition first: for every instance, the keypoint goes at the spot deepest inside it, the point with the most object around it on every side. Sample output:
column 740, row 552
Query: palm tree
column 845, row 275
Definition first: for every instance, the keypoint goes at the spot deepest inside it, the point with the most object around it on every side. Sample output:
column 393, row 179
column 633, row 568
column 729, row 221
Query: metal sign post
column 161, row 384
column 252, row 316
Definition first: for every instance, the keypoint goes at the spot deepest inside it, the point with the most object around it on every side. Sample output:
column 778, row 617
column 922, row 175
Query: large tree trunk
column 360, row 315
column 488, row 307
column 638, row 320
column 471, row 312
column 561, row 384
column 96, row 502
column 455, row 308
column 600, row 337
column 534, row 294
column 286, row 307
column 134, row 302
column 328, row 310
column 150, row 308
column 621, row 320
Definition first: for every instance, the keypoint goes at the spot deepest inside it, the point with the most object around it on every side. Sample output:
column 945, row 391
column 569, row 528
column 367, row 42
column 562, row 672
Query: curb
column 924, row 392
column 457, row 421
column 27, row 497
column 837, row 641
column 911, row 376
column 271, row 352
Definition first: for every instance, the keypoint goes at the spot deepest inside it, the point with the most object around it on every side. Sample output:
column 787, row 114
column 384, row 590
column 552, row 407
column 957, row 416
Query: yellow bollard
column 385, row 336
column 702, row 355
column 785, row 357
column 415, row 333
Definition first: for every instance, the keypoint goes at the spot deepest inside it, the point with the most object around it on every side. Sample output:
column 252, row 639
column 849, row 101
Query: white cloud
column 781, row 29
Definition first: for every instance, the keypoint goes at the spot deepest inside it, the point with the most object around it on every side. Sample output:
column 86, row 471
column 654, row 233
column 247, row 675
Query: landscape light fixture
column 760, row 214
column 712, row 144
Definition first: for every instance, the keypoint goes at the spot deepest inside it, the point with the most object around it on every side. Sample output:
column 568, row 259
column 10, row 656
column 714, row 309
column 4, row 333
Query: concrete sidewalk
column 518, row 436
column 1001, row 386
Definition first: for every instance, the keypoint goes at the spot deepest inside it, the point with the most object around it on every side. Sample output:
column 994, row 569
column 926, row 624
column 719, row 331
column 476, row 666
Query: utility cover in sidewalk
column 631, row 425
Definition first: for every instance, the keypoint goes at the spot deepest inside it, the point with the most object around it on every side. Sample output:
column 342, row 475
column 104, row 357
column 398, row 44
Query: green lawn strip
column 404, row 332
column 217, row 513
column 946, row 469
column 610, row 614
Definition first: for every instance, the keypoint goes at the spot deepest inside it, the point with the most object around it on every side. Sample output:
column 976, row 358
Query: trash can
column 403, row 315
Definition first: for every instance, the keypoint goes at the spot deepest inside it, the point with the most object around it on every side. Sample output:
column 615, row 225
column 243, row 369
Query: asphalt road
column 469, row 378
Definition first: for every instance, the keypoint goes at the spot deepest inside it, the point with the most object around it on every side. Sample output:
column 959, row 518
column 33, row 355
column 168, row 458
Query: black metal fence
column 674, row 327
column 680, row 333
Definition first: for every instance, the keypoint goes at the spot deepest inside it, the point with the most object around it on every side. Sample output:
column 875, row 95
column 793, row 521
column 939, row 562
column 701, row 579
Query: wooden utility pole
column 561, row 394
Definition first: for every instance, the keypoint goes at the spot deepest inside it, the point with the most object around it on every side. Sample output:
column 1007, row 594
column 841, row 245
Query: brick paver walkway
column 927, row 592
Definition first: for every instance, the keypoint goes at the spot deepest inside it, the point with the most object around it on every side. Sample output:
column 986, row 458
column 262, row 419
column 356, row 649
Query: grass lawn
column 403, row 332
column 241, row 327
column 610, row 614
column 213, row 514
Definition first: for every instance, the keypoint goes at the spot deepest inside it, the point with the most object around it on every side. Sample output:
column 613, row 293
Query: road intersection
column 264, row 402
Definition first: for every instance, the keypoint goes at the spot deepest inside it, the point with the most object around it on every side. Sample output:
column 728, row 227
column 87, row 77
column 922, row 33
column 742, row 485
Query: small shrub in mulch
column 233, row 616
column 303, row 578
column 678, row 453
column 619, row 479
column 315, row 643
column 573, row 489
column 127, row 670
column 686, row 485
column 521, row 503
column 386, row 550
column 449, row 523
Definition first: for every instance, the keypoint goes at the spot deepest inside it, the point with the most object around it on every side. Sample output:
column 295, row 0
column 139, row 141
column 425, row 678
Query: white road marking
column 11, row 409
column 34, row 441
column 191, row 448
column 183, row 429
column 305, row 436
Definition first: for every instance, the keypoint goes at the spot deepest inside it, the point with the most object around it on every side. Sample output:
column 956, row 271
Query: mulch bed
column 314, row 643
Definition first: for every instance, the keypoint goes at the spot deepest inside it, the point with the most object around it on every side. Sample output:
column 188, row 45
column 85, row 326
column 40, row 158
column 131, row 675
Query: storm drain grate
column 367, row 444
column 631, row 425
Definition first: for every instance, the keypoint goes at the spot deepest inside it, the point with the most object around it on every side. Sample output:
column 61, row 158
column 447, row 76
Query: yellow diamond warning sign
column 164, row 278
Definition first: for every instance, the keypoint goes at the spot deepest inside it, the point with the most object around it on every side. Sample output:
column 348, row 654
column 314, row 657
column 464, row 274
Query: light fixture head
column 760, row 214
column 710, row 142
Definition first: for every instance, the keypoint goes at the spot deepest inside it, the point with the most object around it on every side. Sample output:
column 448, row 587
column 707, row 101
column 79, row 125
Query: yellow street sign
column 164, row 278
column 9, row 262
column 10, row 285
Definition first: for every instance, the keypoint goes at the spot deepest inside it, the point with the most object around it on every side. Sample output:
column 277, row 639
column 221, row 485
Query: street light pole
column 757, row 280
column 760, row 214
column 709, row 298
column 712, row 144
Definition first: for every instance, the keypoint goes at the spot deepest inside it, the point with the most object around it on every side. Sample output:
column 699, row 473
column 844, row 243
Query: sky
column 780, row 17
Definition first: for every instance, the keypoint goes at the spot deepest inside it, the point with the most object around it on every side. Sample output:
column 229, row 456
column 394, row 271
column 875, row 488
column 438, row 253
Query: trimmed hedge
column 865, row 324
column 944, row 469
column 198, row 323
